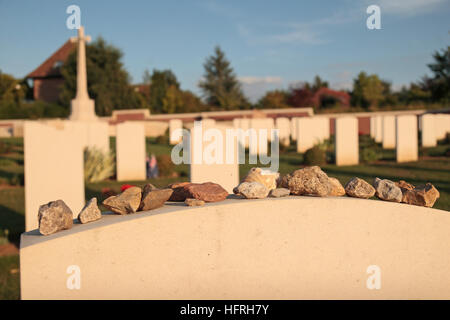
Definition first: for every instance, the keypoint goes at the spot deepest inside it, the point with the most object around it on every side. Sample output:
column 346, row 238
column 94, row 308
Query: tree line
column 109, row 84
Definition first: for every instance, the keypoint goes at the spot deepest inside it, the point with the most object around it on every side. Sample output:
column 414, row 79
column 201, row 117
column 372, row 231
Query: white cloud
column 260, row 80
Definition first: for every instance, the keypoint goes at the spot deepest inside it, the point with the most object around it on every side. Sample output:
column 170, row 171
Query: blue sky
column 271, row 44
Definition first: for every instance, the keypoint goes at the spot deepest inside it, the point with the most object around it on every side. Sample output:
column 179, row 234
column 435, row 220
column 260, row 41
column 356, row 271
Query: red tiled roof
column 47, row 69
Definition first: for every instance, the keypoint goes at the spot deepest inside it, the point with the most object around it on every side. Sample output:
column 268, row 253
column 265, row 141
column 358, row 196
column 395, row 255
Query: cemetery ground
column 433, row 166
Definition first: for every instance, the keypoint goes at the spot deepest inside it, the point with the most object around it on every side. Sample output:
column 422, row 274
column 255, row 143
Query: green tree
column 160, row 83
column 439, row 83
column 367, row 90
column 318, row 83
column 220, row 85
column 108, row 81
column 11, row 89
column 275, row 99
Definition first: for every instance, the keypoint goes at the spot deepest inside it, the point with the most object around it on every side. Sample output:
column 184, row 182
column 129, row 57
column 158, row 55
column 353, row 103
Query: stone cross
column 82, row 108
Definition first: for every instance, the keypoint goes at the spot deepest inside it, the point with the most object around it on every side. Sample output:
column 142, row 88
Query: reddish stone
column 179, row 194
column 208, row 192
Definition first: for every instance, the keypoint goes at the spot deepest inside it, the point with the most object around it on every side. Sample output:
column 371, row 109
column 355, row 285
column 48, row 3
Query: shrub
column 17, row 180
column 98, row 165
column 370, row 155
column 165, row 165
column 315, row 156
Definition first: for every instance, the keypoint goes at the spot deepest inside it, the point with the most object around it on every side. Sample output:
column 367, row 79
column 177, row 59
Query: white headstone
column 53, row 160
column 175, row 124
column 388, row 132
column 130, row 151
column 378, row 129
column 428, row 126
column 209, row 163
column 311, row 131
column 347, row 144
column 284, row 125
column 407, row 144
column 372, row 127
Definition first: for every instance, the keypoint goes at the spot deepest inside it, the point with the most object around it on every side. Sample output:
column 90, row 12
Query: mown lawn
column 429, row 169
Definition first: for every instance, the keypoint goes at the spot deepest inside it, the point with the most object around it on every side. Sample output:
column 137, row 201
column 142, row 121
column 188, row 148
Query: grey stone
column 279, row 192
column 387, row 190
column 307, row 181
column 54, row 216
column 153, row 197
column 358, row 188
column 251, row 190
column 90, row 212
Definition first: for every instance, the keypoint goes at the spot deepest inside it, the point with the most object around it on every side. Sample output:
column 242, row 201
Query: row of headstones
column 433, row 127
column 54, row 165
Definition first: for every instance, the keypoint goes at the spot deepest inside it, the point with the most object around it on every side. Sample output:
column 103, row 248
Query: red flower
column 125, row 187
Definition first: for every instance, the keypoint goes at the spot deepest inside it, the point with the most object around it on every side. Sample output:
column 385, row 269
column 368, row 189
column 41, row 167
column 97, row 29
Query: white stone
column 347, row 144
column 53, row 168
column 428, row 126
column 130, row 151
column 388, row 132
column 407, row 145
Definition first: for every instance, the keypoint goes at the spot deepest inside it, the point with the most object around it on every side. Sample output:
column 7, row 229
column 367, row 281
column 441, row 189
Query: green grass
column 9, row 281
column 429, row 169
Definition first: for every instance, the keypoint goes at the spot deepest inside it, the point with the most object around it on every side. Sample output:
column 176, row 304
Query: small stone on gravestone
column 337, row 190
column 208, row 192
column 264, row 177
column 404, row 186
column 54, row 216
column 90, row 212
column 424, row 196
column 307, row 181
column 126, row 202
column 153, row 197
column 194, row 202
column 358, row 188
column 251, row 190
column 179, row 194
column 279, row 192
column 387, row 190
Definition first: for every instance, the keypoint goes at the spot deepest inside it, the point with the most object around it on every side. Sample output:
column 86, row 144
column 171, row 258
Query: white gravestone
column 130, row 151
column 347, row 144
column 389, row 132
column 53, row 168
column 428, row 126
column 407, row 144
column 209, row 152
column 284, row 125
column 175, row 124
column 311, row 131
column 378, row 129
column 372, row 127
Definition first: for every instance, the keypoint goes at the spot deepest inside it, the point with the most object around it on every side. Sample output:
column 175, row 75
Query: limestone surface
column 90, row 212
column 153, row 198
column 358, row 188
column 337, row 189
column 194, row 202
column 307, row 181
column 422, row 196
column 126, row 202
column 279, row 192
column 252, row 190
column 387, row 190
column 54, row 216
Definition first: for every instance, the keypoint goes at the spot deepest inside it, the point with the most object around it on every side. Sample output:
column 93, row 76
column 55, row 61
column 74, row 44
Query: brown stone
column 307, row 181
column 279, row 193
column 126, row 202
column 90, row 212
column 359, row 188
column 404, row 186
column 153, row 197
column 178, row 194
column 208, row 192
column 194, row 202
column 424, row 196
column 54, row 216
column 337, row 190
